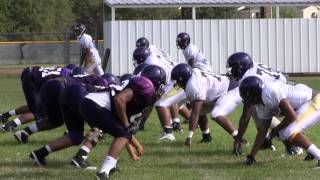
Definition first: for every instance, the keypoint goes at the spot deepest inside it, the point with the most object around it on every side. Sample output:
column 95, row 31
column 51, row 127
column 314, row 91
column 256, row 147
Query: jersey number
column 47, row 71
column 266, row 70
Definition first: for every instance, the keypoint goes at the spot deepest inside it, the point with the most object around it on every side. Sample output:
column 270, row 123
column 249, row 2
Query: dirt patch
column 10, row 71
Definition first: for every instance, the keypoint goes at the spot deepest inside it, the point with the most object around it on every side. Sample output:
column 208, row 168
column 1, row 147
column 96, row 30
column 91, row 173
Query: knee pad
column 76, row 137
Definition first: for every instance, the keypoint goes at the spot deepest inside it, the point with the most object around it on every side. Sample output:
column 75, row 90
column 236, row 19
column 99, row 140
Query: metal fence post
column 67, row 47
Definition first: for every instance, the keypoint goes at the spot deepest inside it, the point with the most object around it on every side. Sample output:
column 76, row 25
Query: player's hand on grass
column 188, row 142
column 250, row 160
column 140, row 150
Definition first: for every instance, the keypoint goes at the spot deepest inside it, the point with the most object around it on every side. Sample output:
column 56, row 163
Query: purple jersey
column 42, row 74
column 143, row 95
column 93, row 82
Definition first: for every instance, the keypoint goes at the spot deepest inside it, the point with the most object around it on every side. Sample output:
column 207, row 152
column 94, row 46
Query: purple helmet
column 79, row 29
column 183, row 40
column 70, row 66
column 250, row 90
column 156, row 74
column 139, row 68
column 140, row 54
column 142, row 42
column 239, row 63
column 111, row 79
column 181, row 73
column 78, row 71
column 125, row 77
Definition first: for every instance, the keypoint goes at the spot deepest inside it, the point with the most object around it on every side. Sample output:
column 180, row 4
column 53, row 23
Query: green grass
column 167, row 161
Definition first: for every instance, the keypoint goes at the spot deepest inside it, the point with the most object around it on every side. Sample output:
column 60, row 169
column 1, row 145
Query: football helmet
column 156, row 75
column 125, row 77
column 142, row 42
column 79, row 29
column 250, row 90
column 181, row 73
column 140, row 54
column 78, row 71
column 111, row 79
column 238, row 64
column 183, row 40
column 139, row 68
column 70, row 66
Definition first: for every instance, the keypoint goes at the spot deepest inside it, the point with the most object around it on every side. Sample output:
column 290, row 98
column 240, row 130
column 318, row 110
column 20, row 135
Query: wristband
column 190, row 134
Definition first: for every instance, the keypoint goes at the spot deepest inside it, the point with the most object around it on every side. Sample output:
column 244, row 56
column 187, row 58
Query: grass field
column 167, row 161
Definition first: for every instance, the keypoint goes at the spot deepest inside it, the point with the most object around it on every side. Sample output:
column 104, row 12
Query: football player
column 297, row 103
column 89, row 57
column 240, row 66
column 50, row 96
column 203, row 100
column 192, row 54
column 24, row 111
column 170, row 95
column 174, row 109
column 127, row 101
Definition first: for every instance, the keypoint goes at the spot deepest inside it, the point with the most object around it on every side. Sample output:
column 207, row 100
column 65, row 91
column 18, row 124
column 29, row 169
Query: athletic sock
column 16, row 122
column 83, row 152
column 314, row 151
column 31, row 129
column 12, row 112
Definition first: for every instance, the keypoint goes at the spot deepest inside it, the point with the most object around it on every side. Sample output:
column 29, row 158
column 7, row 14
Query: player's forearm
column 243, row 124
column 244, row 121
column 262, row 132
column 120, row 107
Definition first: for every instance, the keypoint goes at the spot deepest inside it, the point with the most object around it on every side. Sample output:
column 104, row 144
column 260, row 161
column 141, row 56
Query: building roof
column 206, row 3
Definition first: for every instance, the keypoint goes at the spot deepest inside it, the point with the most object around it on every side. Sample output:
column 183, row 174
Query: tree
column 36, row 16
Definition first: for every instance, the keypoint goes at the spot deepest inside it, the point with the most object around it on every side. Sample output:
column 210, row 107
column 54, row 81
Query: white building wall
column 288, row 45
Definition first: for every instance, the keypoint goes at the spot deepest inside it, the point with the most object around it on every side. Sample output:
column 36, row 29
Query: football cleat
column 167, row 137
column 206, row 138
column 104, row 175
column 81, row 162
column 8, row 127
column 293, row 150
column 3, row 118
column 309, row 157
column 38, row 160
column 21, row 136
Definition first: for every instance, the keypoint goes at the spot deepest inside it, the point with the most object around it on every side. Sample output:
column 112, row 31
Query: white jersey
column 167, row 65
column 192, row 53
column 93, row 61
column 265, row 73
column 274, row 92
column 103, row 99
column 206, row 86
column 159, row 52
